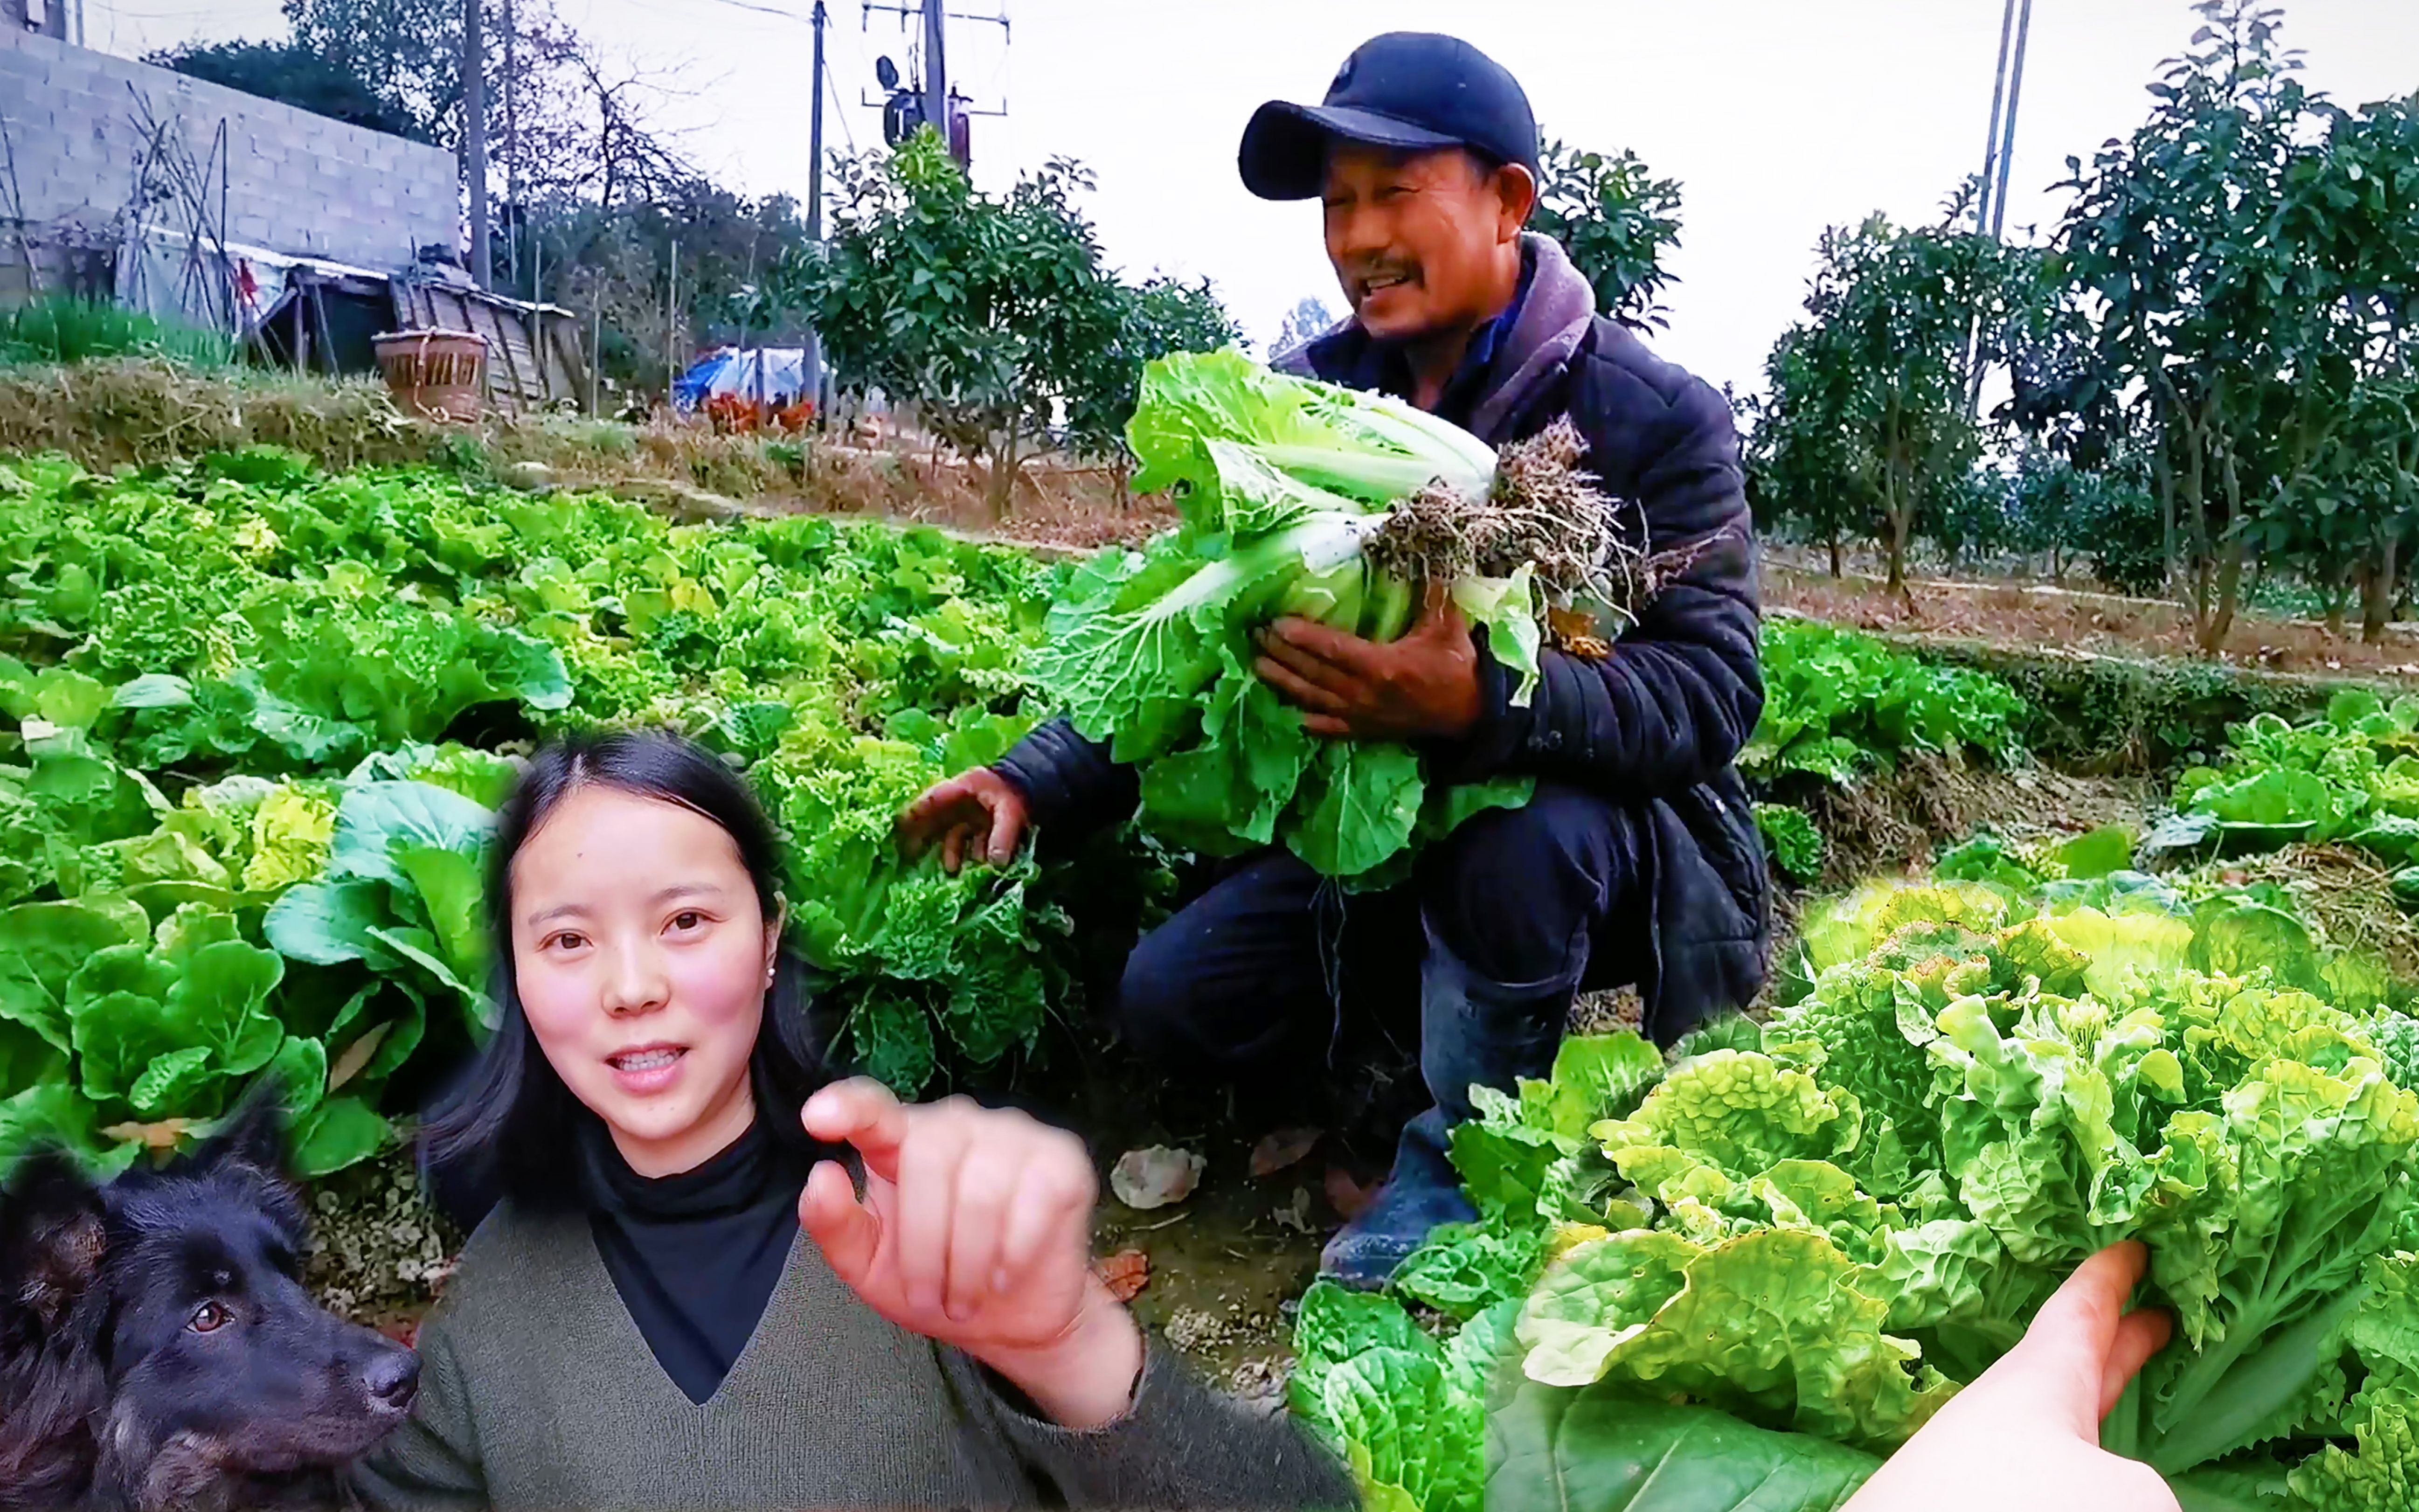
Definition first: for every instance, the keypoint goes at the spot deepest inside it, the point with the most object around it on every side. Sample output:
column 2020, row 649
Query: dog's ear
column 253, row 1134
column 52, row 1231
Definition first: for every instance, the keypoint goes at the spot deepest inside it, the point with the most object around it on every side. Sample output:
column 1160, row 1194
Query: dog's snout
column 392, row 1377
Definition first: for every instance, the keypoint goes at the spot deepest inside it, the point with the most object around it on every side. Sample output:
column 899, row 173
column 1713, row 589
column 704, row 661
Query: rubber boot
column 1472, row 1031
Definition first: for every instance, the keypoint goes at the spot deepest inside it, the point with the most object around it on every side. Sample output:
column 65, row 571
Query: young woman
column 683, row 1300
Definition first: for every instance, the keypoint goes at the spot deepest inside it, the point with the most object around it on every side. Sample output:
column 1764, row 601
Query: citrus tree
column 1868, row 419
column 991, row 313
column 1618, row 221
column 1157, row 316
column 2234, row 268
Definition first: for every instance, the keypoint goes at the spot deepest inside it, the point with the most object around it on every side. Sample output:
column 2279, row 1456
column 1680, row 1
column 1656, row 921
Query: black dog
column 157, row 1350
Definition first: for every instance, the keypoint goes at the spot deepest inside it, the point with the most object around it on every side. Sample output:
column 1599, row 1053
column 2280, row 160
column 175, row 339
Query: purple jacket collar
column 1546, row 323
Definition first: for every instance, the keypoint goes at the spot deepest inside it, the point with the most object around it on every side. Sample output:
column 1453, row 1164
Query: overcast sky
column 1778, row 116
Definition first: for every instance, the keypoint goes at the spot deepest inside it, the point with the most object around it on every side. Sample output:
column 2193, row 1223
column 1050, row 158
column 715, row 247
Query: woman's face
column 643, row 958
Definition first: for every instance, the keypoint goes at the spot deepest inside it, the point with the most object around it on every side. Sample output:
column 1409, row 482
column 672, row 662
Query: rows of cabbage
column 1843, row 708
column 1742, row 1274
column 258, row 717
column 2347, row 775
column 262, row 714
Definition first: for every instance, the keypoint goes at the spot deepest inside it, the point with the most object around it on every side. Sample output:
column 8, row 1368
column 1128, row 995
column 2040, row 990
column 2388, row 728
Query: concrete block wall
column 297, row 183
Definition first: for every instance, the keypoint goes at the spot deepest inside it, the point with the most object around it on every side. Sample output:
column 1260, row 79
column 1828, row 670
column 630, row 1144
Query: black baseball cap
column 1415, row 91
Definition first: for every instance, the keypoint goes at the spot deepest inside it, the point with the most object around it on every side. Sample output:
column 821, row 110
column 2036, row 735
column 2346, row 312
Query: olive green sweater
column 537, row 1390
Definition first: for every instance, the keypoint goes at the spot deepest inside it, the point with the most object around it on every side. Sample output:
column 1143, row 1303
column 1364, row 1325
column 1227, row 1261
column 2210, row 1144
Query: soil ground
column 2013, row 612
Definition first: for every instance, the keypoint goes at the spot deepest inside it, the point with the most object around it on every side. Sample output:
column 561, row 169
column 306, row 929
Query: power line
column 767, row 10
column 840, row 109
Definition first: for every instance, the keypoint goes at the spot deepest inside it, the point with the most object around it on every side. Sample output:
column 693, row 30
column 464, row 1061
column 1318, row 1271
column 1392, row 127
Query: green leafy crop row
column 1839, row 704
column 2351, row 774
column 1840, row 708
column 261, row 716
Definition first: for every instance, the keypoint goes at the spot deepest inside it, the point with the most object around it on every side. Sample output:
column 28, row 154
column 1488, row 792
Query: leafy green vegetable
column 1282, row 482
column 1602, row 1450
column 1790, row 835
column 401, row 893
column 1405, row 1410
column 2351, row 774
column 1403, row 1407
column 1771, row 1260
column 159, row 1023
column 1838, row 704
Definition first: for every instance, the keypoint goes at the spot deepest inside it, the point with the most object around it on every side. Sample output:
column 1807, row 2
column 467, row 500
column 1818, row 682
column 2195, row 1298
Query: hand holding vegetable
column 974, row 814
column 2026, row 1433
column 975, row 1230
column 1422, row 685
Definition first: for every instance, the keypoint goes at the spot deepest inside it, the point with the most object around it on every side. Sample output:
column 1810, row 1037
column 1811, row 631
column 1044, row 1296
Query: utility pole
column 812, row 359
column 511, row 123
column 2008, row 142
column 474, row 140
column 936, row 74
column 1990, row 137
column 1998, row 147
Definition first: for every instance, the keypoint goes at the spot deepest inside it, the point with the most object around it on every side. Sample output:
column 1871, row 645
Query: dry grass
column 1892, row 823
column 136, row 411
column 2349, row 896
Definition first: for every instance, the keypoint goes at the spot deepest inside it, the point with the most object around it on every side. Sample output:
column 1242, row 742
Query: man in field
column 1637, row 862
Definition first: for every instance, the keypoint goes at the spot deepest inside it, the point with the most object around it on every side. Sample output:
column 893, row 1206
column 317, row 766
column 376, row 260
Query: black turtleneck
column 695, row 1256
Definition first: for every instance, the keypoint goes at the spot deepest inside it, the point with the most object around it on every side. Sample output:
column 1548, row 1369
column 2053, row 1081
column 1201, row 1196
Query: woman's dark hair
column 507, row 1128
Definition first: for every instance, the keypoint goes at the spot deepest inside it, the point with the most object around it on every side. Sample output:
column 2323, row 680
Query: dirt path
column 2038, row 614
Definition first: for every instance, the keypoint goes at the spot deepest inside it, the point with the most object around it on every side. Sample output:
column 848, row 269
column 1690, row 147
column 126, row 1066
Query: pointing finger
column 986, row 1184
column 927, row 1208
column 860, row 1112
column 1053, row 1198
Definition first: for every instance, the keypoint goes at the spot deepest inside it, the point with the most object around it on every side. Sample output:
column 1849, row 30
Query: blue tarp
column 731, row 370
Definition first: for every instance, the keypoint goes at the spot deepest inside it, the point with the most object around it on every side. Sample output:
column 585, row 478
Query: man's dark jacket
column 1657, row 726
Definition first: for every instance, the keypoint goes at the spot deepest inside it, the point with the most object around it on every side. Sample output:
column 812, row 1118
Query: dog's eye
column 208, row 1319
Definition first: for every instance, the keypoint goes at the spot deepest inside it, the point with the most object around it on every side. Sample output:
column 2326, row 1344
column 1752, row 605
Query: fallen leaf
column 1155, row 1175
column 1295, row 1215
column 161, row 1135
column 1276, row 1151
column 1125, row 1273
column 1347, row 1197
column 356, row 1055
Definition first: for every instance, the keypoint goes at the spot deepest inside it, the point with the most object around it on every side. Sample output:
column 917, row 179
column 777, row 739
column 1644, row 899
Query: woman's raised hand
column 975, row 1230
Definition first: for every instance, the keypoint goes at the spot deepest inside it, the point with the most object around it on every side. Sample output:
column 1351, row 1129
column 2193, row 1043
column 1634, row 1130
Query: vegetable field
column 259, row 714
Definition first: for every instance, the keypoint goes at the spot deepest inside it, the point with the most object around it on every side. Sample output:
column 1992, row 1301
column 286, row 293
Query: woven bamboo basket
column 440, row 374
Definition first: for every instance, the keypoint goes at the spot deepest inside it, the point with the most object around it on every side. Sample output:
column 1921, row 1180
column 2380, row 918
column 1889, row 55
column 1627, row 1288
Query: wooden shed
column 326, row 317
